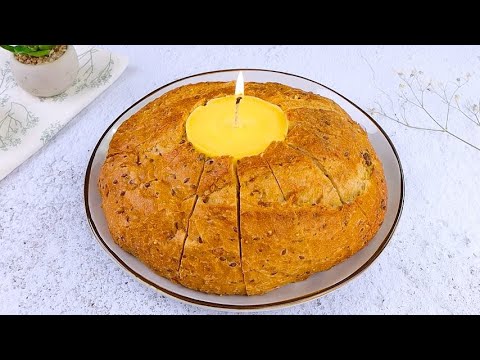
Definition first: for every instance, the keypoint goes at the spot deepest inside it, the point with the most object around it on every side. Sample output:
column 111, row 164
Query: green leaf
column 33, row 47
column 31, row 50
column 22, row 49
column 8, row 47
column 39, row 53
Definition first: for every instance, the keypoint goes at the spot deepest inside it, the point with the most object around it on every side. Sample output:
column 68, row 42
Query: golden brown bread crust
column 301, row 181
column 211, row 260
column 302, row 206
column 280, row 246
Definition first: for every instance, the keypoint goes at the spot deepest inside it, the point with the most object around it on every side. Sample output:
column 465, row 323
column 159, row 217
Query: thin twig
column 415, row 97
column 430, row 88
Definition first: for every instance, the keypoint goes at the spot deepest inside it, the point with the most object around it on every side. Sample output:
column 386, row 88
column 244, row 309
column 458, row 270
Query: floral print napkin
column 28, row 122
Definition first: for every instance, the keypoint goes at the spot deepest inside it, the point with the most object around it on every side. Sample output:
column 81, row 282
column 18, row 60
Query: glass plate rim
column 223, row 306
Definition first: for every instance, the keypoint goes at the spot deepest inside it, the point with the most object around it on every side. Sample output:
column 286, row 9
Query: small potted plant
column 43, row 70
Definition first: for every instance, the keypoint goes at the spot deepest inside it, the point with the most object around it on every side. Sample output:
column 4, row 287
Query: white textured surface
column 51, row 263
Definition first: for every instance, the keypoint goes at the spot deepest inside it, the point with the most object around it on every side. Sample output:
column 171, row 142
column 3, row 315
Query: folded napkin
column 28, row 122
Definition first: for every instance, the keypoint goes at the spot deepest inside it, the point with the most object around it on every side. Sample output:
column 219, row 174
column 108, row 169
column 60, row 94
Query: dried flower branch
column 416, row 94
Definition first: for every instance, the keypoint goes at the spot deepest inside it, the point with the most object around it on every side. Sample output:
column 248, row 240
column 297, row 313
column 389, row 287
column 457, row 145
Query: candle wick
column 237, row 105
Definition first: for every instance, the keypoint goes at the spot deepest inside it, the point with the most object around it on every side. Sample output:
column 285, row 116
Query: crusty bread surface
column 249, row 226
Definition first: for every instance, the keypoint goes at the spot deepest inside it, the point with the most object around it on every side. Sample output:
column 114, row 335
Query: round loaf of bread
column 249, row 226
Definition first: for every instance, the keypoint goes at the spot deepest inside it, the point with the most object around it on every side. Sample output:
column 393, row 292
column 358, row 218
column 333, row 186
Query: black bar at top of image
column 240, row 23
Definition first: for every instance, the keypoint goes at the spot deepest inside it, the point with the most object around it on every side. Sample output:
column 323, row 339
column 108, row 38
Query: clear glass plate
column 318, row 284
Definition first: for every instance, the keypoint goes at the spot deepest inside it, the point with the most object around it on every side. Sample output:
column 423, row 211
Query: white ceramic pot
column 47, row 79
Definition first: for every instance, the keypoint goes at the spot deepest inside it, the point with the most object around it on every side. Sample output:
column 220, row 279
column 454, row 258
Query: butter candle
column 237, row 125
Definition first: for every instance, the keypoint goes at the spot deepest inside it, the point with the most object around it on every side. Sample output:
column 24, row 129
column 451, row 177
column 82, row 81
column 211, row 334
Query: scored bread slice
column 258, row 186
column 160, row 125
column 332, row 154
column 282, row 245
column 147, row 215
column 300, row 180
column 211, row 260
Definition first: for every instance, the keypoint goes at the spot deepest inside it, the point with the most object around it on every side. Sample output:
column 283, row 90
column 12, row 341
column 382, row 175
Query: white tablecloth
column 27, row 122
